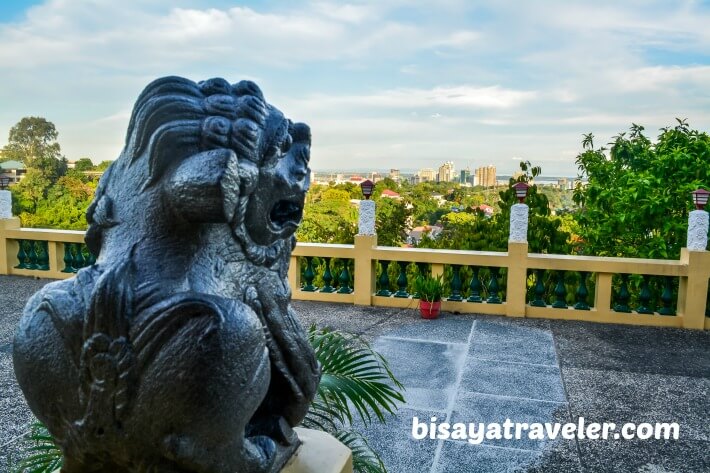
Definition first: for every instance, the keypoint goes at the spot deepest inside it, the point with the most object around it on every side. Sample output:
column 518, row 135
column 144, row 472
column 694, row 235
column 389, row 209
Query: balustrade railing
column 671, row 293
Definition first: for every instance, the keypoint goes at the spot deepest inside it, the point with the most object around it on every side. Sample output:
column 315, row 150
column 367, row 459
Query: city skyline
column 382, row 84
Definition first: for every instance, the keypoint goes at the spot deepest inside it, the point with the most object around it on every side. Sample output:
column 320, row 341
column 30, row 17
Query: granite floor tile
column 513, row 379
column 429, row 371
column 15, row 416
column 448, row 328
column 620, row 397
column 645, row 456
column 652, row 350
column 457, row 457
column 393, row 441
column 503, row 341
column 484, row 408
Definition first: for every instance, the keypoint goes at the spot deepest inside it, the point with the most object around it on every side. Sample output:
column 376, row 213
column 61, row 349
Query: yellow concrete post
column 517, row 279
column 365, row 271
column 602, row 292
column 8, row 248
column 437, row 270
column 693, row 290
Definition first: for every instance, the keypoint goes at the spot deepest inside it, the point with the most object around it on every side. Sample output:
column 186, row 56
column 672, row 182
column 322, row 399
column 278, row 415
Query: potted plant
column 430, row 290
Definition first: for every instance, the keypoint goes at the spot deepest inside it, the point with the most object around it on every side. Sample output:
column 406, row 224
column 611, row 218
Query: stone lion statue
column 178, row 351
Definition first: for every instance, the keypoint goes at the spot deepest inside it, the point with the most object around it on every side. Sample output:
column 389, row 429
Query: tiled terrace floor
column 486, row 369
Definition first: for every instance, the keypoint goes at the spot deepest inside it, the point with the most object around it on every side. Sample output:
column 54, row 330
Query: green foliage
column 103, row 165
column 391, row 221
column 637, row 200
column 356, row 380
column 41, row 454
column 33, row 141
column 84, row 164
column 430, row 288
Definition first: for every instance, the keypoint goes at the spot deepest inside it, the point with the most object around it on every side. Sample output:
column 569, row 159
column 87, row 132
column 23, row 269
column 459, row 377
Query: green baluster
column 68, row 258
column 384, row 281
column 455, row 283
column 309, row 275
column 21, row 255
column 344, row 280
column 43, row 258
column 644, row 297
column 402, row 280
column 327, row 278
column 32, row 255
column 78, row 261
column 560, row 292
column 582, row 292
column 539, row 300
column 493, row 288
column 622, row 299
column 667, row 297
column 475, row 286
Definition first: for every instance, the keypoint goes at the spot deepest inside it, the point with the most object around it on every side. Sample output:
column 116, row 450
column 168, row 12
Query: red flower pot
column 429, row 310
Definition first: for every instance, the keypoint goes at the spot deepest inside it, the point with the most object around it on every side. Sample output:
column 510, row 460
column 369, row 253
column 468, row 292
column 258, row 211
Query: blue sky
column 384, row 83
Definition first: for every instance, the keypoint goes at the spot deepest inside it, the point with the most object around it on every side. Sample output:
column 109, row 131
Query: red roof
column 389, row 193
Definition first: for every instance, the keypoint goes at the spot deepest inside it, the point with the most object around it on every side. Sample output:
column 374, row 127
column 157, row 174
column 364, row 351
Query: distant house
column 486, row 209
column 415, row 236
column 14, row 170
column 390, row 194
column 438, row 198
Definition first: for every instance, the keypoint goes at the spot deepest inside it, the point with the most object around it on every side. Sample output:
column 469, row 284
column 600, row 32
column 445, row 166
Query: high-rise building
column 426, row 175
column 446, row 172
column 394, row 174
column 486, row 176
column 465, row 176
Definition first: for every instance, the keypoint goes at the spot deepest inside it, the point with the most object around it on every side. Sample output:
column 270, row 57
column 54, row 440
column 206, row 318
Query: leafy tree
column 328, row 217
column 103, row 165
column 391, row 217
column 84, row 164
column 32, row 140
column 637, row 199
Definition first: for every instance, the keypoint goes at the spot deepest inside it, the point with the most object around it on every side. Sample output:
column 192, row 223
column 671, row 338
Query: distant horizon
column 471, row 82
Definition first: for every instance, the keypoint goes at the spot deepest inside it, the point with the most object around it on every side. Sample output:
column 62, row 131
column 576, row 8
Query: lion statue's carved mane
column 178, row 351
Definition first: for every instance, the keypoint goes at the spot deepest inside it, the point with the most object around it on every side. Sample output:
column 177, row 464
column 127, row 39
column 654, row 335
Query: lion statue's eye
column 273, row 154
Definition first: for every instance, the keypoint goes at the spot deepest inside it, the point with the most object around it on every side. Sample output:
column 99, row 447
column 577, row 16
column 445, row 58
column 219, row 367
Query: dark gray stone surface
column 599, row 387
column 645, row 456
column 633, row 349
column 616, row 396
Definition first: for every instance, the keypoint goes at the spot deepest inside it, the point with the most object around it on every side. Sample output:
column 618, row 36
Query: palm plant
column 356, row 383
column 41, row 455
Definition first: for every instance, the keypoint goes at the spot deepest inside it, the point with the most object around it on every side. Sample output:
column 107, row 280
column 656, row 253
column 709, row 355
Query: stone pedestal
column 366, row 220
column 519, row 223
column 319, row 453
column 5, row 204
column 697, row 230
